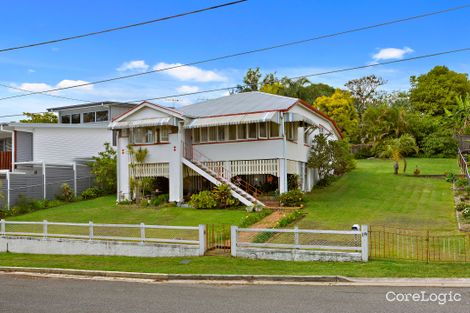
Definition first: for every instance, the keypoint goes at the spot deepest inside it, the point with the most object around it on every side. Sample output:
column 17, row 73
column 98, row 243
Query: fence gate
column 218, row 239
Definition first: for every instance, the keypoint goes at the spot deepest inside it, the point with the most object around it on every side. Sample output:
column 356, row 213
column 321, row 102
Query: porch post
column 176, row 165
column 282, row 160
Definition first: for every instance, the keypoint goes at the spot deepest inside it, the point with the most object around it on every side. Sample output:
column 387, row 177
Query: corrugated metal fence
column 37, row 181
column 427, row 246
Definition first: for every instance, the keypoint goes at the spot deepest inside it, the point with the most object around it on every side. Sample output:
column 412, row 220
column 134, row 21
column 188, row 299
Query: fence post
column 296, row 237
column 365, row 243
column 233, row 240
column 142, row 233
column 8, row 191
column 44, row 180
column 44, row 229
column 91, row 232
column 74, row 167
column 202, row 239
column 2, row 227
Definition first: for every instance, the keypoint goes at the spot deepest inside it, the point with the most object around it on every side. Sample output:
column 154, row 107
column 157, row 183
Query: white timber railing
column 350, row 241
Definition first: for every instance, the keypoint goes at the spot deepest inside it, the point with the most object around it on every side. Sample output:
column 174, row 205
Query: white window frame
column 206, row 131
column 265, row 130
column 249, row 132
column 236, row 132
column 242, row 126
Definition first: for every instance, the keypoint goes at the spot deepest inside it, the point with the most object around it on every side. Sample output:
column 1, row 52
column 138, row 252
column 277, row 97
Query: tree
column 364, row 90
column 438, row 90
column 138, row 157
column 460, row 116
column 104, row 170
column 46, row 117
column 340, row 107
column 251, row 81
column 397, row 148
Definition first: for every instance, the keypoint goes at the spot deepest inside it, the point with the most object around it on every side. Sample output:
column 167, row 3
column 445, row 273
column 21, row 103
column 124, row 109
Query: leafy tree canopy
column 364, row 90
column 340, row 107
column 46, row 117
column 438, row 90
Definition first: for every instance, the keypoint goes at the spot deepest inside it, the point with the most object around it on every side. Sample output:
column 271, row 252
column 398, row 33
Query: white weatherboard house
column 251, row 141
column 80, row 133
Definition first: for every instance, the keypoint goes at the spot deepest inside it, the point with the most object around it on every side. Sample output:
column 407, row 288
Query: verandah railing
column 464, row 164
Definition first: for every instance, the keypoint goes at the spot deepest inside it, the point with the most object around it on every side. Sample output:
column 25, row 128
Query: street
column 33, row 294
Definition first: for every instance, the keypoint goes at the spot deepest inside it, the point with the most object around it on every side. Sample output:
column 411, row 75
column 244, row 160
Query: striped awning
column 234, row 119
column 144, row 123
column 295, row 117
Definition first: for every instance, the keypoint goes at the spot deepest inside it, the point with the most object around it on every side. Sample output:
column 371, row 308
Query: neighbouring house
column 79, row 134
column 254, row 142
column 36, row 159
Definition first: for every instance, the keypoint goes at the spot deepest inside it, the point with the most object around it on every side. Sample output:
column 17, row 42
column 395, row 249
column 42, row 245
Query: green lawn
column 372, row 194
column 229, row 265
column 105, row 210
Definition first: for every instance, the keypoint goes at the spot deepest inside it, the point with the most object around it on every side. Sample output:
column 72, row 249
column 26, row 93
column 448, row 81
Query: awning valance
column 234, row 119
column 295, row 117
column 144, row 123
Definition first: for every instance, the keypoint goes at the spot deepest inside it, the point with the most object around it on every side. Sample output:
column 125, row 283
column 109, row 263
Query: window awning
column 295, row 117
column 234, row 119
column 144, row 123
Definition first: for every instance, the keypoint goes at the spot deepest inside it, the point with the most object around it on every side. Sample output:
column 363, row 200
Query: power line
column 348, row 69
column 122, row 27
column 45, row 94
column 247, row 52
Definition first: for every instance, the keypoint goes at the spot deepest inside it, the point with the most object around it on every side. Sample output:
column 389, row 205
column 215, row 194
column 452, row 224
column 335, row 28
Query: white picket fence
column 130, row 233
column 265, row 243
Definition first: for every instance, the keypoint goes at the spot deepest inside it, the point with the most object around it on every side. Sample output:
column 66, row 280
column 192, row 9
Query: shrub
column 160, row 199
column 104, row 169
column 466, row 213
column 203, row 200
column 293, row 181
column 26, row 205
column 66, row 193
column 292, row 198
column 417, row 171
column 461, row 182
column 223, row 196
column 91, row 193
column 450, row 177
column 460, row 206
column 253, row 218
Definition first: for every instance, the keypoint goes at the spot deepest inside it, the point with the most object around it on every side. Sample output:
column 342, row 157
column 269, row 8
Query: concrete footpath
column 232, row 279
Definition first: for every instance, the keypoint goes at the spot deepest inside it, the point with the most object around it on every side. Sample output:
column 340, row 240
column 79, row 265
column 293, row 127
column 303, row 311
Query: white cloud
column 31, row 70
column 35, row 87
column 70, row 83
column 136, row 65
column 391, row 53
column 190, row 73
column 187, row 89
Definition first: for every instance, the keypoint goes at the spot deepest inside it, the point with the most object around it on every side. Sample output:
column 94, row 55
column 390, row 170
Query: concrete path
column 51, row 295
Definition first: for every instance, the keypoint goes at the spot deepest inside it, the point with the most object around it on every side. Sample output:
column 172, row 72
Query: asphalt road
column 29, row 294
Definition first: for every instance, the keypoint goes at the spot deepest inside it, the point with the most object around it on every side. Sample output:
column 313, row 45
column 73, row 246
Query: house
column 79, row 134
column 251, row 141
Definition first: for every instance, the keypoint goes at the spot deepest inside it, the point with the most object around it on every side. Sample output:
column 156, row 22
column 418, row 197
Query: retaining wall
column 94, row 247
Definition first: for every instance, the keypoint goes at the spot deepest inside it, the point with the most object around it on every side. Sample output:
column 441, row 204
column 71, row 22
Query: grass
column 229, row 265
column 372, row 194
column 105, row 210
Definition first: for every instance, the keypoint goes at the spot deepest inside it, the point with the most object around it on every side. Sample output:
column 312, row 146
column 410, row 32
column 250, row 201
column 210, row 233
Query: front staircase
column 219, row 178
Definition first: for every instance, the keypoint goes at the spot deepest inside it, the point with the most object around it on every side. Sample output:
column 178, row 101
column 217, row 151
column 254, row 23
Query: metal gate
column 218, row 238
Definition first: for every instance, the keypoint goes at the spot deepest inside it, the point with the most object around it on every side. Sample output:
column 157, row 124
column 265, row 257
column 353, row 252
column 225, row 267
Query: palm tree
column 460, row 116
column 397, row 148
column 138, row 157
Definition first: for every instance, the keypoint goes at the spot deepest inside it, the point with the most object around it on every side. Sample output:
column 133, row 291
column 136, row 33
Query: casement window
column 65, row 119
column 196, row 135
column 232, row 132
column 89, row 117
column 204, row 134
column 241, row 132
column 163, row 134
column 273, row 130
column 76, row 118
column 221, row 133
column 212, row 134
column 102, row 116
column 263, row 132
column 252, row 131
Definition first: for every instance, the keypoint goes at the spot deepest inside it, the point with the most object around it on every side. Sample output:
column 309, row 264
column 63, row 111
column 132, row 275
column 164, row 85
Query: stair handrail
column 190, row 152
column 464, row 165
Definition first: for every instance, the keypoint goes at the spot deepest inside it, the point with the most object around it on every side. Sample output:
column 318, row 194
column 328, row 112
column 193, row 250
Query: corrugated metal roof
column 92, row 104
column 234, row 119
column 240, row 103
column 144, row 123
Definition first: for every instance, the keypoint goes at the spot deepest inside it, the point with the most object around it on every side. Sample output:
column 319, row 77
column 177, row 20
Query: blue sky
column 245, row 26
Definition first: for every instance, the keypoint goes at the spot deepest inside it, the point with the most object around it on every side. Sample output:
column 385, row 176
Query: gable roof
column 145, row 104
column 240, row 103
